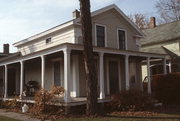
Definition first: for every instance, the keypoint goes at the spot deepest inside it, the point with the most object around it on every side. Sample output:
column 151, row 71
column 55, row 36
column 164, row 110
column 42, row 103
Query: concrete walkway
column 17, row 116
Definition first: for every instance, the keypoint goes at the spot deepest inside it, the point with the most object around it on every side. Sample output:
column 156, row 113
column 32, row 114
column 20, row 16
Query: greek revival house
column 54, row 57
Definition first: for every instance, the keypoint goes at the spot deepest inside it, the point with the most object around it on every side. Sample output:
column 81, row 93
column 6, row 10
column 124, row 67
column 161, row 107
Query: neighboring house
column 162, row 39
column 54, row 57
column 5, row 53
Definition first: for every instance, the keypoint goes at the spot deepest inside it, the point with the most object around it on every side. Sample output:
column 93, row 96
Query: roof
column 161, row 33
column 11, row 56
column 56, row 28
column 75, row 21
column 2, row 55
column 17, row 57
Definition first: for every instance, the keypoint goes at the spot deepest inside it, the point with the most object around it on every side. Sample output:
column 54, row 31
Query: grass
column 117, row 117
column 158, row 117
column 3, row 118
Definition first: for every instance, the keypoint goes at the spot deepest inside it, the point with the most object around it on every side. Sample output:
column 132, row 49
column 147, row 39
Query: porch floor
column 59, row 101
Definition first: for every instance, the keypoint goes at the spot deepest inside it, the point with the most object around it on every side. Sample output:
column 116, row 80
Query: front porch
column 75, row 101
column 63, row 66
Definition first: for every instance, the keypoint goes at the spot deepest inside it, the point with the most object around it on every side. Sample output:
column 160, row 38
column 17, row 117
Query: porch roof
column 15, row 58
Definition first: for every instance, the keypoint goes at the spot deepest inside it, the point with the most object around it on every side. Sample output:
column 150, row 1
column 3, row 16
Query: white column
column 170, row 67
column 42, row 71
column 127, row 71
column 75, row 75
column 21, row 78
column 164, row 66
column 119, row 76
column 101, row 77
column 6, row 81
column 67, row 75
column 148, row 75
column 107, row 77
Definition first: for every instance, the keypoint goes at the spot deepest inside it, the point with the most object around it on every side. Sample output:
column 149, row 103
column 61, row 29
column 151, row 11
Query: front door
column 57, row 74
column 113, row 77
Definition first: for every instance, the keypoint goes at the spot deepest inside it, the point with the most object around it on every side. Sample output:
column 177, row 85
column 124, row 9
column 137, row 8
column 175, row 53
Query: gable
column 113, row 21
column 119, row 12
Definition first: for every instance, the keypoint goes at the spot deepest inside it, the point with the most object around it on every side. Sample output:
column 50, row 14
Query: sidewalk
column 17, row 116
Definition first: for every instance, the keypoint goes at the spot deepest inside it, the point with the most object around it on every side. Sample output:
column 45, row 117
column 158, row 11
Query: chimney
column 6, row 48
column 152, row 23
column 76, row 14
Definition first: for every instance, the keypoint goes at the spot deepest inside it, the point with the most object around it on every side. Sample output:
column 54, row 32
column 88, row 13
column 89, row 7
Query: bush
column 57, row 90
column 132, row 100
column 166, row 88
column 42, row 98
column 10, row 104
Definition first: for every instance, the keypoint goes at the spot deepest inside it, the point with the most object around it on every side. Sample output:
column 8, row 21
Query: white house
column 54, row 57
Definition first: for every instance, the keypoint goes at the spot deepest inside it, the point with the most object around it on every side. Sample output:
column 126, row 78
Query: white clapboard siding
column 40, row 44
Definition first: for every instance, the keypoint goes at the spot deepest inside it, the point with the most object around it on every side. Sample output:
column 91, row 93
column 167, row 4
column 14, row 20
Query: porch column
column 75, row 75
column 127, row 71
column 164, row 66
column 42, row 71
column 148, row 75
column 67, row 75
column 21, row 78
column 101, row 77
column 170, row 67
column 6, row 81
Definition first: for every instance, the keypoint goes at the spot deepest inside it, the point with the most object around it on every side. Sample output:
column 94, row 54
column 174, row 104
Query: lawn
column 2, row 118
column 158, row 117
column 116, row 117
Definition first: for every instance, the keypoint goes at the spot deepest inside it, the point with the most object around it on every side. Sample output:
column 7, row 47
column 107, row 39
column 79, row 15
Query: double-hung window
column 100, row 35
column 122, row 39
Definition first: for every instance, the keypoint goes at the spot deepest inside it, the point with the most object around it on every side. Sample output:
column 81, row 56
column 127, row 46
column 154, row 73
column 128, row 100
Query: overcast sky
column 20, row 19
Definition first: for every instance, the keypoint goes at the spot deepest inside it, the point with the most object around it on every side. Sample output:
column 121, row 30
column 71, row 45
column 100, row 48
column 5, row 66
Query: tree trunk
column 91, row 78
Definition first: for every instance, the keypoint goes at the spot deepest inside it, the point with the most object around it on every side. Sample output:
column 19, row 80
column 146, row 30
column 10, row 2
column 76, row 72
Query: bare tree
column 169, row 10
column 91, row 78
column 140, row 20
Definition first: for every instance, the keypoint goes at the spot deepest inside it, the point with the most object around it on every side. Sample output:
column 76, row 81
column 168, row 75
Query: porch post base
column 20, row 96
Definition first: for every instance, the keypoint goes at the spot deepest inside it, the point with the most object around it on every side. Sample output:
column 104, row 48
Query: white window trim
column 125, row 37
column 105, row 34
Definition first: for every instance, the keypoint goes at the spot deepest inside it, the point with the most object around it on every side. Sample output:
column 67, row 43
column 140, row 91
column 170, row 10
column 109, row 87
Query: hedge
column 166, row 88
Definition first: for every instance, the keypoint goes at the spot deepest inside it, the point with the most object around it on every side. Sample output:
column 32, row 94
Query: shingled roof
column 161, row 33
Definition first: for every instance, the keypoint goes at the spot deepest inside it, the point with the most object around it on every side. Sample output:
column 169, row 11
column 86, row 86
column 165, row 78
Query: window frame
column 125, row 37
column 105, row 33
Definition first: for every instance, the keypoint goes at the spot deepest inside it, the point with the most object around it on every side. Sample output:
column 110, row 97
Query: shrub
column 166, row 88
column 132, row 100
column 42, row 98
column 10, row 104
column 57, row 90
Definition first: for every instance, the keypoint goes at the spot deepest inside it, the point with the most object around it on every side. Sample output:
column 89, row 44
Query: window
column 100, row 35
column 48, row 40
column 122, row 39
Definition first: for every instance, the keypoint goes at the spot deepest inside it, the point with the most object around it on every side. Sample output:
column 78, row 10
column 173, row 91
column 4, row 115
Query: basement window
column 48, row 40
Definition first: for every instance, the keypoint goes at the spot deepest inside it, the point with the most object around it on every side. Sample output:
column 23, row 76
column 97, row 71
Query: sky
column 20, row 19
